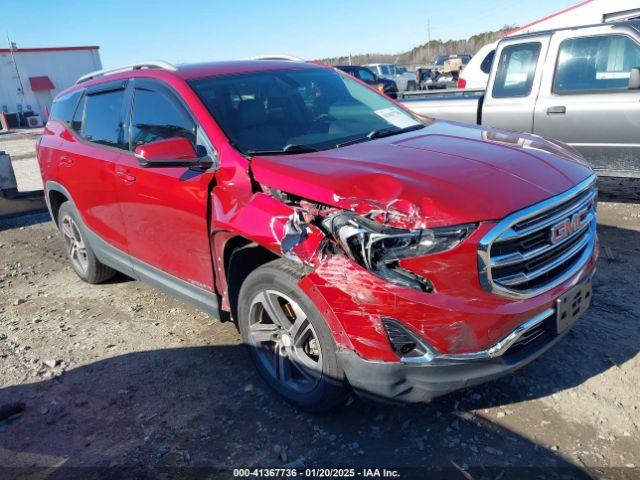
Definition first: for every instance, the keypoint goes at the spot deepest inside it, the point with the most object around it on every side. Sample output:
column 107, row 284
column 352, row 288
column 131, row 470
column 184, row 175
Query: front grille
column 533, row 250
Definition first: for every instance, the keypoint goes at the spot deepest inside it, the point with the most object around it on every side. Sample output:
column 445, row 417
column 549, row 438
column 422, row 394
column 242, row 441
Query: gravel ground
column 120, row 375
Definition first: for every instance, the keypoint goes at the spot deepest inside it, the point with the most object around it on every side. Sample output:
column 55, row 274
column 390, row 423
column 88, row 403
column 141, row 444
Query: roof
column 41, row 83
column 199, row 70
column 193, row 71
column 49, row 49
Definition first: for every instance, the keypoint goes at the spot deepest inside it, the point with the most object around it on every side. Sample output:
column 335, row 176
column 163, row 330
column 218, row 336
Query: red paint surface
column 445, row 174
column 169, row 149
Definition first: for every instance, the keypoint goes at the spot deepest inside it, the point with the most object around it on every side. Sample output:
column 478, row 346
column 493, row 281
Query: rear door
column 585, row 101
column 513, row 84
column 165, row 208
column 89, row 153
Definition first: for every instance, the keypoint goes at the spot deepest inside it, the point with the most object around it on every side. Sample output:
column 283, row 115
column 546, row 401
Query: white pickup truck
column 579, row 85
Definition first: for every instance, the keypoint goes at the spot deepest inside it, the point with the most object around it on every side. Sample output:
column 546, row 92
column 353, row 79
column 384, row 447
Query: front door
column 586, row 102
column 165, row 208
column 509, row 103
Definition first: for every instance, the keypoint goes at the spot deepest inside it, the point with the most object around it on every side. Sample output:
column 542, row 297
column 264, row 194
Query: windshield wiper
column 290, row 149
column 381, row 133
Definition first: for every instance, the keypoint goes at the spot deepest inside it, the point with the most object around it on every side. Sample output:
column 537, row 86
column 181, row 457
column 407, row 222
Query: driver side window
column 155, row 116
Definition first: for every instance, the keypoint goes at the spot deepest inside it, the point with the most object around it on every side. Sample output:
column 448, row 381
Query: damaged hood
column 446, row 173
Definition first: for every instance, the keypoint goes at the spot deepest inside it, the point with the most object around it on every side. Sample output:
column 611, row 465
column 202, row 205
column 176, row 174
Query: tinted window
column 63, row 108
column 596, row 63
column 157, row 116
column 366, row 75
column 485, row 66
column 516, row 70
column 316, row 108
column 101, row 121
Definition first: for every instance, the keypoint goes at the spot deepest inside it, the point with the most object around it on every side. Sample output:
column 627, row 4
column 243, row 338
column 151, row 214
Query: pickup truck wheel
column 80, row 254
column 288, row 339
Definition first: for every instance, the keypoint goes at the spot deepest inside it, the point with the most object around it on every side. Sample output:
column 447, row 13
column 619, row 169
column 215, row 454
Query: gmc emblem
column 568, row 226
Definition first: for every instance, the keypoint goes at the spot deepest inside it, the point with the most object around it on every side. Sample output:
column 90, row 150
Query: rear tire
column 288, row 340
column 82, row 258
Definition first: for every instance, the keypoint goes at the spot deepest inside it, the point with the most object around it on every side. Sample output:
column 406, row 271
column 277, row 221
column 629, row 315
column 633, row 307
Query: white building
column 31, row 77
column 587, row 12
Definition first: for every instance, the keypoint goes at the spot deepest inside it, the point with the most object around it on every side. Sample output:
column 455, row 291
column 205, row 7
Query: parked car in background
column 579, row 85
column 406, row 81
column 475, row 74
column 357, row 246
column 440, row 61
column 386, row 86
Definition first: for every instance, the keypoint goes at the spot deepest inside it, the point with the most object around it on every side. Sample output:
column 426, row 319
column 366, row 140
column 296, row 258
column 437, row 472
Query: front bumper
column 414, row 382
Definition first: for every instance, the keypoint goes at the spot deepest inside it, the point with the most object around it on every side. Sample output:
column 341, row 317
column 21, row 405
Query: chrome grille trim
column 517, row 257
column 507, row 230
column 496, row 350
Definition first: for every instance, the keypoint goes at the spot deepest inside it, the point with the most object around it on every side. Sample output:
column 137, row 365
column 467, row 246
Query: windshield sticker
column 396, row 117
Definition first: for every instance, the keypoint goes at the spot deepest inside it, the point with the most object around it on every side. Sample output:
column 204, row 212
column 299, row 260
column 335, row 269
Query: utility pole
column 428, row 40
column 12, row 49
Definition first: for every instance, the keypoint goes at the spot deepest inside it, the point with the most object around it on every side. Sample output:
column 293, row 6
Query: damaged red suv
column 357, row 246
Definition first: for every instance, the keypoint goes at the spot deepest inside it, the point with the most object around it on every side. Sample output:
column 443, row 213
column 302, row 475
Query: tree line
column 427, row 52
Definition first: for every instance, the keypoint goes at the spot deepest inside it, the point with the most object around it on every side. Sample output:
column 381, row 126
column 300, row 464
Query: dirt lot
column 120, row 375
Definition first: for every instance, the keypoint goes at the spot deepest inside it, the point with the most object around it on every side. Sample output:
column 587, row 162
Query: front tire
column 82, row 258
column 288, row 340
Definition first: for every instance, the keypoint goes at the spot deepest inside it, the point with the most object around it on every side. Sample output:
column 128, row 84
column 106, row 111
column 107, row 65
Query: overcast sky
column 199, row 30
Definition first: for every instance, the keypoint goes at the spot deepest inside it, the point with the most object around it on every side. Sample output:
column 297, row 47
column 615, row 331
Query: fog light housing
column 404, row 342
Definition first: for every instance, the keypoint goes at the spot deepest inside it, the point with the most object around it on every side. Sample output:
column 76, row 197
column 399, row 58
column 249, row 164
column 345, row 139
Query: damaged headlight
column 379, row 247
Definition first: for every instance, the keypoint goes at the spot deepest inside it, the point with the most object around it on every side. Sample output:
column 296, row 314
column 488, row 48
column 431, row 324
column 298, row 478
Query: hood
column 446, row 174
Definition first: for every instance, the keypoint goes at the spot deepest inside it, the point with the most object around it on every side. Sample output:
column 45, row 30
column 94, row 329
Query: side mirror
column 171, row 152
column 634, row 79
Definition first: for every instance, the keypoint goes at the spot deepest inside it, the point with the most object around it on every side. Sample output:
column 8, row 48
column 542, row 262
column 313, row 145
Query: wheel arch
column 241, row 257
column 56, row 195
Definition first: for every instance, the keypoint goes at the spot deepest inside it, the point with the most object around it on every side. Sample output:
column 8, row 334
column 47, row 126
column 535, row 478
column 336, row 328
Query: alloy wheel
column 74, row 243
column 285, row 341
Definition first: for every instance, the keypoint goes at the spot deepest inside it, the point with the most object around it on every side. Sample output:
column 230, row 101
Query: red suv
column 357, row 246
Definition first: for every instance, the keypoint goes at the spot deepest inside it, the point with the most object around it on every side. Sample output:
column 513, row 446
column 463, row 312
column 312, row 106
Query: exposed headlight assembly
column 379, row 247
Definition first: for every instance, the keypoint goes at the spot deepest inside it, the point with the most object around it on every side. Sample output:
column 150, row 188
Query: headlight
column 378, row 247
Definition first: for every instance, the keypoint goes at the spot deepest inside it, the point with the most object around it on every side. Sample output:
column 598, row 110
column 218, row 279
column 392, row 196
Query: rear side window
column 595, row 63
column 101, row 122
column 157, row 116
column 516, row 70
column 63, row 108
column 485, row 66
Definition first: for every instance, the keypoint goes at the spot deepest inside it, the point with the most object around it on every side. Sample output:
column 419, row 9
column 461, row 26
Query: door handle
column 125, row 175
column 67, row 160
column 559, row 109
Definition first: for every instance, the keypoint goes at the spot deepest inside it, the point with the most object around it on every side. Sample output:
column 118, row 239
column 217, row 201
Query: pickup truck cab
column 405, row 81
column 577, row 85
column 357, row 246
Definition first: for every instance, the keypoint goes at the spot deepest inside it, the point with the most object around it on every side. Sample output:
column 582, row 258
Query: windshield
column 286, row 110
